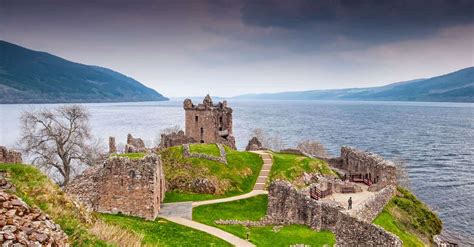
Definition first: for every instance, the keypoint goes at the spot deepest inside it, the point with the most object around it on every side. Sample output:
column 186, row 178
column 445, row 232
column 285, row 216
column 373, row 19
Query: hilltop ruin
column 209, row 122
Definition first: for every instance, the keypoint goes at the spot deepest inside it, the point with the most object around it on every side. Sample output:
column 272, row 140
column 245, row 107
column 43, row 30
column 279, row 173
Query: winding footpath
column 181, row 213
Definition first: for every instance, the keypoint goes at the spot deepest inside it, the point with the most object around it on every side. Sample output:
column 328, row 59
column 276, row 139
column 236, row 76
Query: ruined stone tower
column 209, row 122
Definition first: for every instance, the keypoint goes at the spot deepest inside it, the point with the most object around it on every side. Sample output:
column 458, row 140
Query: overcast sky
column 226, row 48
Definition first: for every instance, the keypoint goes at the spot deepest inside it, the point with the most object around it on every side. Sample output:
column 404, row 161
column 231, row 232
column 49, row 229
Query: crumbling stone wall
column 9, row 156
column 122, row 185
column 22, row 225
column 134, row 145
column 290, row 206
column 254, row 145
column 368, row 165
column 112, row 146
column 209, row 122
column 175, row 139
column 371, row 207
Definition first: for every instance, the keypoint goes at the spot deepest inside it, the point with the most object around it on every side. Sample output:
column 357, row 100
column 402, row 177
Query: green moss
column 209, row 149
column 37, row 190
column 410, row 219
column 254, row 208
column 291, row 166
column 132, row 156
column 161, row 232
column 235, row 178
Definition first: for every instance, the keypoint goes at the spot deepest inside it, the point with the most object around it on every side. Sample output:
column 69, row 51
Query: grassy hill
column 236, row 177
column 410, row 219
column 28, row 76
column 290, row 167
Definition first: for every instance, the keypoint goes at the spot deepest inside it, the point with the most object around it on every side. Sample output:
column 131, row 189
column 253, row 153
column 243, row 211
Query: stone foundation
column 122, row 185
column 290, row 206
column 254, row 145
column 222, row 158
column 9, row 156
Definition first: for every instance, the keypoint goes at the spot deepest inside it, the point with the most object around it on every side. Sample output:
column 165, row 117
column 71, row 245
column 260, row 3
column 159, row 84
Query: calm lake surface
column 436, row 140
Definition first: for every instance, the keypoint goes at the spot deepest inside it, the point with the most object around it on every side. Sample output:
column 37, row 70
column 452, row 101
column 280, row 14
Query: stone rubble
column 21, row 225
column 134, row 145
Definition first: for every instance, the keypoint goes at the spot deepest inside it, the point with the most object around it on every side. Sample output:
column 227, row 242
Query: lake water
column 436, row 140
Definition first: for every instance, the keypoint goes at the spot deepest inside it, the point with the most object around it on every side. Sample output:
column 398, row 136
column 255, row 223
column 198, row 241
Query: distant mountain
column 453, row 87
column 28, row 76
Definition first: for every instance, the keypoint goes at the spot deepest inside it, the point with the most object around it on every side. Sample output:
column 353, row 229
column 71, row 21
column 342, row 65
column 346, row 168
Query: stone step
column 261, row 179
column 266, row 167
column 259, row 186
column 264, row 172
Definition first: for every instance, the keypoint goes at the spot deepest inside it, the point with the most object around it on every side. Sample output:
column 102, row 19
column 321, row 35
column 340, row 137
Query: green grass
column 289, row 167
column 389, row 223
column 254, row 208
column 161, row 232
column 235, row 178
column 37, row 190
column 210, row 149
column 410, row 219
column 133, row 156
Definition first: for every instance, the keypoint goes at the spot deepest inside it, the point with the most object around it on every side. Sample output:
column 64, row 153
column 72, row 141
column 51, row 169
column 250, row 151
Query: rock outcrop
column 254, row 145
column 9, row 156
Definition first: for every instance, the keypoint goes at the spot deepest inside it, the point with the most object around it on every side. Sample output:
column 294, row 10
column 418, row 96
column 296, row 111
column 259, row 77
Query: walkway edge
column 232, row 239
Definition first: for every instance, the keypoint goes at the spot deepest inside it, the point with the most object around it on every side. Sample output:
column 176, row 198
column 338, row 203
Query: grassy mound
column 237, row 177
column 161, row 232
column 254, row 208
column 290, row 167
column 37, row 190
column 209, row 149
column 409, row 219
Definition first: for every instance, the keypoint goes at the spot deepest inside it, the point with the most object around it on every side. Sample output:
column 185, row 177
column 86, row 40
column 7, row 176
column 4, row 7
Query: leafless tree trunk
column 314, row 148
column 58, row 140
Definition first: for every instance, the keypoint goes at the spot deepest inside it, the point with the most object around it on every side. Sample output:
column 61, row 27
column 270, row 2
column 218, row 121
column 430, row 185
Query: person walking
column 350, row 203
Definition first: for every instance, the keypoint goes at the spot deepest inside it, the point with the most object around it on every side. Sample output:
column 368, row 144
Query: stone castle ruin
column 9, row 156
column 122, row 185
column 369, row 168
column 367, row 178
column 209, row 122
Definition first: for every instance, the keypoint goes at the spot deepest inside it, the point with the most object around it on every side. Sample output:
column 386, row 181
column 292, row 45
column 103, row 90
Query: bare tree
column 403, row 179
column 314, row 148
column 58, row 140
column 274, row 142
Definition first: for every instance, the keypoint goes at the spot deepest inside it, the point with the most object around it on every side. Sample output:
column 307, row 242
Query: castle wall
column 9, row 156
column 372, row 166
column 290, row 206
column 122, row 185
